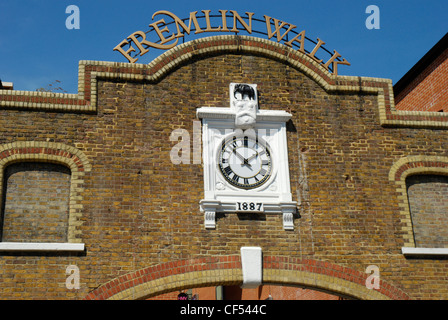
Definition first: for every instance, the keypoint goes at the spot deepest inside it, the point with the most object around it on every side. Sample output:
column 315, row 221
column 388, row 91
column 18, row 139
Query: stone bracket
column 210, row 207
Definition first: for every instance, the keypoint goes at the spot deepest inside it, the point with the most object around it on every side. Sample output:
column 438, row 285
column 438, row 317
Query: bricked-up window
column 428, row 204
column 35, row 204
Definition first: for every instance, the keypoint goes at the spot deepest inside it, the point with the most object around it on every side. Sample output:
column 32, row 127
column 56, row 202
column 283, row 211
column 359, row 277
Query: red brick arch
column 226, row 270
column 43, row 153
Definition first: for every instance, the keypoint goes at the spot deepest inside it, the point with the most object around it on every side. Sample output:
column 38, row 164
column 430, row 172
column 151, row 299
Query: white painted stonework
column 269, row 126
column 408, row 251
column 252, row 267
column 41, row 246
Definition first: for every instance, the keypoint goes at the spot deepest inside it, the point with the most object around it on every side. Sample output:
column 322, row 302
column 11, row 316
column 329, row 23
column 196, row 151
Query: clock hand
column 245, row 161
column 238, row 155
column 253, row 156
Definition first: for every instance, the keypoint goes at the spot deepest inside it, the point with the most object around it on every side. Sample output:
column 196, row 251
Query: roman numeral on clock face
column 234, row 143
column 228, row 170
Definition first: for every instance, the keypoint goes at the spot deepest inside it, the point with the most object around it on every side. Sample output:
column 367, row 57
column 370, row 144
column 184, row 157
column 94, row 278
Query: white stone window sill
column 408, row 251
column 41, row 247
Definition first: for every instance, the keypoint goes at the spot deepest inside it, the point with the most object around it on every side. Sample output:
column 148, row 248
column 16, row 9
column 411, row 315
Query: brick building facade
column 93, row 207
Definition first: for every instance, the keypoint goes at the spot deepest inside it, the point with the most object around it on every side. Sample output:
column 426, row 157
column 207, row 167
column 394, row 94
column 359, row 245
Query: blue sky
column 36, row 48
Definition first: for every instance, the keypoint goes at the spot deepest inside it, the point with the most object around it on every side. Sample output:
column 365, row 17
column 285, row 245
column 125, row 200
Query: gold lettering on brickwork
column 169, row 38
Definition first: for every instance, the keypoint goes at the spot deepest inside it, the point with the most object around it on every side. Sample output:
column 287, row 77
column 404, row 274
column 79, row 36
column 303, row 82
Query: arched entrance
column 226, row 271
column 263, row 292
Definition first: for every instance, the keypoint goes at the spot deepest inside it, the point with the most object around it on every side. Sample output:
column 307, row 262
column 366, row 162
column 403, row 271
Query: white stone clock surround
column 220, row 196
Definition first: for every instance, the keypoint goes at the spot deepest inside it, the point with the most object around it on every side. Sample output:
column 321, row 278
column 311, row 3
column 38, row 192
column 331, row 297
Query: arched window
column 428, row 206
column 422, row 182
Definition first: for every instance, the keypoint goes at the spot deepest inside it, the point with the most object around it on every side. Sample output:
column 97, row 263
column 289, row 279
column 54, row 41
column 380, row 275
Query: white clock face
column 245, row 162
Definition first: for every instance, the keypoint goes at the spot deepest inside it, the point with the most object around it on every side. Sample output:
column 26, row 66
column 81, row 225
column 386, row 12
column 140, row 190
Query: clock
column 245, row 162
column 245, row 159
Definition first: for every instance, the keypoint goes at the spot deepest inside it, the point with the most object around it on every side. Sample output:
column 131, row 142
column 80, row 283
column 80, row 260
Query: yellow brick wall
column 139, row 212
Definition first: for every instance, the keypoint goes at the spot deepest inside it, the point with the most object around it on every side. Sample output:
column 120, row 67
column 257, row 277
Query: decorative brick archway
column 226, row 270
